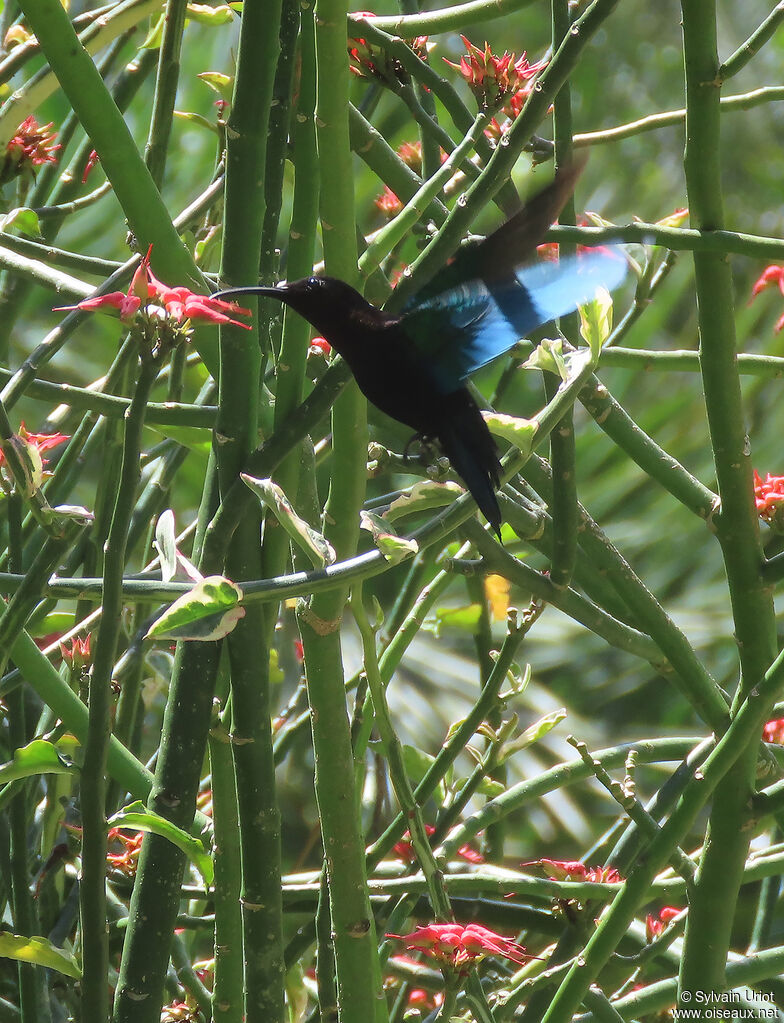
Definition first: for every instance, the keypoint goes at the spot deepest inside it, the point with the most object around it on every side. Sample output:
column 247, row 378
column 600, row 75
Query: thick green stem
column 712, row 907
column 93, row 788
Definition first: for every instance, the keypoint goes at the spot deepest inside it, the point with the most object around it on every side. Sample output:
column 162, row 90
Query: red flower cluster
column 30, row 147
column 774, row 731
column 771, row 275
column 79, row 653
column 458, row 947
column 768, row 495
column 574, row 870
column 367, row 60
column 40, row 441
column 411, row 155
column 179, row 303
column 654, row 925
column 180, row 1012
column 388, row 202
column 493, row 78
column 128, row 860
column 404, row 849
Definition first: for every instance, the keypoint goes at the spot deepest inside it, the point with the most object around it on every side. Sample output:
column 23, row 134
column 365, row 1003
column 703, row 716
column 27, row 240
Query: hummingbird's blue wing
column 463, row 328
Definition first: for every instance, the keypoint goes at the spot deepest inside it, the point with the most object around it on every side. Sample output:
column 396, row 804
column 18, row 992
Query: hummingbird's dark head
column 333, row 307
column 329, row 304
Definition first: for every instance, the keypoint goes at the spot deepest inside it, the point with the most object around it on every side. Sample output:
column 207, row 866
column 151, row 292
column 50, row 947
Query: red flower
column 320, row 344
column 79, row 654
column 574, row 870
column 654, row 925
column 774, row 731
column 41, row 441
column 492, row 78
column 299, row 649
column 128, row 860
column 768, row 494
column 29, row 449
column 179, row 303
column 404, row 849
column 418, row 998
column 180, row 1012
column 458, row 947
column 366, row 59
column 92, row 160
column 388, row 202
column 770, row 275
column 30, row 147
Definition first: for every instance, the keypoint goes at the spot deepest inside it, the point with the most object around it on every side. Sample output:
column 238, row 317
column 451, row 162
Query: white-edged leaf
column 23, row 220
column 313, row 543
column 422, row 497
column 166, row 544
column 515, row 429
column 208, row 612
column 394, row 548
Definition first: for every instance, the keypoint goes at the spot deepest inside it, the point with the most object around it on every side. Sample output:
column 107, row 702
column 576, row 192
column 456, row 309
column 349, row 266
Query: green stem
column 227, row 996
column 157, row 147
column 93, row 789
column 670, row 118
column 248, row 156
column 397, row 772
column 703, row 240
column 764, row 32
column 713, row 904
column 359, row 982
column 450, row 19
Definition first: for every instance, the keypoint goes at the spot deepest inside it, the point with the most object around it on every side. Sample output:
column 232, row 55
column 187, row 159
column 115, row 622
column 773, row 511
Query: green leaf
column 219, row 82
column 54, row 622
column 465, row 618
column 548, row 356
column 417, row 763
column 209, row 611
column 166, row 544
column 533, row 733
column 40, row 952
column 155, row 34
column 422, row 497
column 596, row 318
column 136, row 817
column 23, row 220
column 37, row 757
column 316, row 546
column 394, row 548
column 200, row 119
column 516, row 430
column 206, row 15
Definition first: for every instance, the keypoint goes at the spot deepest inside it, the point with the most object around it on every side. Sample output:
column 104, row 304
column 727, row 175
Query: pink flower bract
column 179, row 303
column 459, row 947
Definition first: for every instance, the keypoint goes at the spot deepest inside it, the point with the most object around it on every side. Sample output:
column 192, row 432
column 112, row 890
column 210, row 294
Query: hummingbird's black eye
column 314, row 282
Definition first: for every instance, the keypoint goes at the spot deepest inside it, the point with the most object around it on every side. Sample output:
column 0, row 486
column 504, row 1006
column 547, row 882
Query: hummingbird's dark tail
column 469, row 446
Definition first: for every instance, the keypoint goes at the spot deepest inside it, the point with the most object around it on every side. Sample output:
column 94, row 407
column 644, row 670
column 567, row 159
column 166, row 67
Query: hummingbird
column 413, row 365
